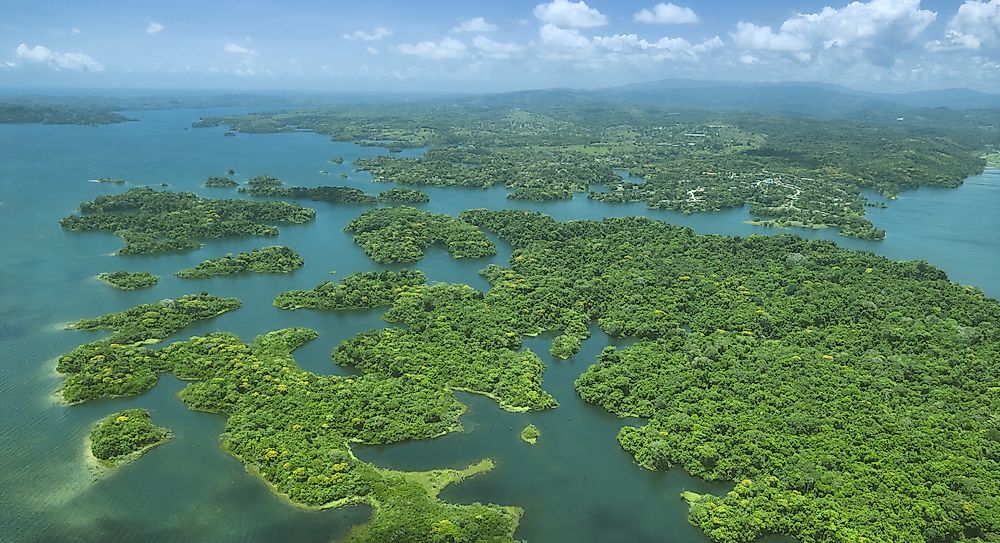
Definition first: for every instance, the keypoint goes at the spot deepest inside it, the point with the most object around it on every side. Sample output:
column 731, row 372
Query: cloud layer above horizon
column 873, row 44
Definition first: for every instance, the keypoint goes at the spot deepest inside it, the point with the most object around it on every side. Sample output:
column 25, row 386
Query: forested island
column 790, row 170
column 405, row 196
column 119, row 365
column 155, row 222
column 336, row 195
column 129, row 280
column 530, row 434
column 123, row 437
column 363, row 290
column 220, row 182
column 274, row 259
column 401, row 234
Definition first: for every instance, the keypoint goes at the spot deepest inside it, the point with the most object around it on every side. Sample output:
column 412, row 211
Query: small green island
column 274, row 259
column 123, row 437
column 110, row 180
column 530, row 434
column 565, row 346
column 220, row 182
column 993, row 160
column 405, row 196
column 129, row 280
column 401, row 234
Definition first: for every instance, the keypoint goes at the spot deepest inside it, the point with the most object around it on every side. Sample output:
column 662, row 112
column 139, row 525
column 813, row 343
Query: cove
column 575, row 484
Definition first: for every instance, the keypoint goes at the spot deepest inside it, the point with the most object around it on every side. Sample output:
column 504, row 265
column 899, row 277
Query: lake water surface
column 576, row 484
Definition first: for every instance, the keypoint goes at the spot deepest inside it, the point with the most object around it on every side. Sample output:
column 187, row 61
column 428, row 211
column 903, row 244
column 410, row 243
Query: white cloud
column 446, row 48
column 475, row 24
column 749, row 59
column 668, row 13
column 238, row 49
column 154, row 28
column 377, row 34
column 371, row 50
column 876, row 31
column 563, row 13
column 563, row 42
column 751, row 36
column 495, row 49
column 76, row 30
column 663, row 49
column 40, row 54
column 976, row 25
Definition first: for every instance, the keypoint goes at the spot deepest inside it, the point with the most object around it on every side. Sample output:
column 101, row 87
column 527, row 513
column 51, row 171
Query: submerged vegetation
column 154, row 222
column 401, row 234
column 274, row 259
column 123, row 437
column 129, row 280
column 791, row 171
column 363, row 290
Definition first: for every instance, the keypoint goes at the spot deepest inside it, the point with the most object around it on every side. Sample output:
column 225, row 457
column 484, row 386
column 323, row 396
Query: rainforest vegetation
column 118, row 365
column 401, row 234
column 565, row 346
column 149, row 221
column 336, row 195
column 129, row 280
column 111, row 180
column 363, row 290
column 220, row 182
column 848, row 396
column 123, row 437
column 274, row 259
column 791, row 170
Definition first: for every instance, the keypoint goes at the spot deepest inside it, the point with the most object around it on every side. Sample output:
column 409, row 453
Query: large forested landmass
column 453, row 335
column 363, row 290
column 129, row 280
column 123, row 437
column 852, row 398
column 405, row 196
column 336, row 195
column 24, row 113
column 118, row 365
column 792, row 171
column 274, row 259
column 401, row 234
column 149, row 221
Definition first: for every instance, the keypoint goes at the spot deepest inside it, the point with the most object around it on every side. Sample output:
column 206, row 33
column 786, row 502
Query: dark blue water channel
column 575, row 485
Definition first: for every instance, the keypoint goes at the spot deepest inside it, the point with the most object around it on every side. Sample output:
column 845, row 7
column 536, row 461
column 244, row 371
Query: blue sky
column 496, row 46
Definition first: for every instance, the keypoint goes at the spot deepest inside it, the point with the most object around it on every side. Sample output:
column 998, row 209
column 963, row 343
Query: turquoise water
column 575, row 485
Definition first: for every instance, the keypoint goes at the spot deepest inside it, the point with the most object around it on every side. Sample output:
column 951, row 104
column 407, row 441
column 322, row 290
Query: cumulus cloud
column 475, row 24
column 40, row 54
column 875, row 31
column 976, row 25
column 76, row 30
column 563, row 42
column 238, row 49
column 446, row 48
column 495, row 49
column 662, row 49
column 377, row 34
column 371, row 50
column 668, row 13
column 751, row 36
column 154, row 28
column 566, row 14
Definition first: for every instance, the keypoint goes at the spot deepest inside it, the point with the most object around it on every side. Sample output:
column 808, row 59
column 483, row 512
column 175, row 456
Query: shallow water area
column 576, row 484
